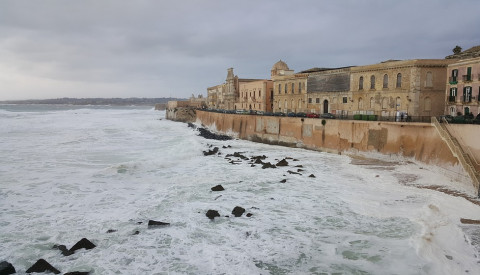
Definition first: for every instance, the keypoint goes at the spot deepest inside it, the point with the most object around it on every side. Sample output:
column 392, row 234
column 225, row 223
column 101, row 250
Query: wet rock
column 6, row 268
column 295, row 159
column 111, row 230
column 291, row 172
column 283, row 181
column 153, row 224
column 63, row 249
column 283, row 162
column 299, row 166
column 268, row 165
column 210, row 152
column 253, row 165
column 209, row 135
column 211, row 214
column 191, row 125
column 239, row 155
column 238, row 211
column 469, row 221
column 83, row 243
column 449, row 257
column 258, row 157
column 77, row 273
column 259, row 161
column 249, row 215
column 218, row 197
column 42, row 266
column 139, row 222
column 217, row 188
column 312, row 176
column 300, row 170
column 136, row 232
column 234, row 162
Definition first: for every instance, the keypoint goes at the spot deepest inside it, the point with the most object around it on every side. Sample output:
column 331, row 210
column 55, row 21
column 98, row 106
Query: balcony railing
column 452, row 98
column 452, row 80
column 467, row 99
column 467, row 77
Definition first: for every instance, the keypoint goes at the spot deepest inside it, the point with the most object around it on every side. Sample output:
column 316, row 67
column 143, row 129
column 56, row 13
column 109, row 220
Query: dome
column 280, row 65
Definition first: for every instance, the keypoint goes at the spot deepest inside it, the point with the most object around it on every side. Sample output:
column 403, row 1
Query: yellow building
column 289, row 89
column 255, row 95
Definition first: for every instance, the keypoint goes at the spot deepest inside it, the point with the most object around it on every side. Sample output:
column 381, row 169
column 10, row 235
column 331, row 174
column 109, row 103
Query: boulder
column 42, row 266
column 300, row 170
column 65, row 251
column 238, row 211
column 152, row 224
column 291, row 172
column 283, row 162
column 6, row 268
column 217, row 188
column 111, row 230
column 259, row 161
column 283, row 181
column 210, row 152
column 211, row 214
column 77, row 273
column 83, row 243
column 312, row 176
column 249, row 215
column 268, row 165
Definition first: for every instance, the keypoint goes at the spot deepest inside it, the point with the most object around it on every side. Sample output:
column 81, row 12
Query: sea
column 102, row 172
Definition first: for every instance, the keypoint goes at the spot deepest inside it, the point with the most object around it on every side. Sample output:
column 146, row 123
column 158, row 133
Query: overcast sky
column 175, row 48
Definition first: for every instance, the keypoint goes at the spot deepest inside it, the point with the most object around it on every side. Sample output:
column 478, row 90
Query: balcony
column 467, row 99
column 452, row 98
column 452, row 80
column 467, row 77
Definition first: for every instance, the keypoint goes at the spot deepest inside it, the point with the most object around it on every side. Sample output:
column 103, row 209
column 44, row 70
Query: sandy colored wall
column 416, row 140
column 467, row 135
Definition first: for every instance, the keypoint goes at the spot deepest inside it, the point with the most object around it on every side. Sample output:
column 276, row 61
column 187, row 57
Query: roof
column 470, row 53
column 280, row 65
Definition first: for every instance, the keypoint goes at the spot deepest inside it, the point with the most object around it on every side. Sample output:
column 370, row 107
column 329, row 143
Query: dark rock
column 6, row 268
column 152, row 224
column 42, row 266
column 83, row 243
column 139, row 222
column 299, row 166
column 253, row 165
column 238, row 211
column 259, row 161
column 209, row 135
column 312, row 176
column 136, row 232
column 295, row 159
column 249, row 215
column 239, row 155
column 300, row 170
column 268, row 165
column 210, row 152
column 77, row 273
column 283, row 181
column 258, row 157
column 191, row 125
column 217, row 188
column 288, row 158
column 111, row 230
column 283, row 162
column 291, row 172
column 234, row 162
column 211, row 214
column 63, row 249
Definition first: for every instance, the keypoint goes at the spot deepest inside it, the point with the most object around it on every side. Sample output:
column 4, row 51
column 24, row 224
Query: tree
column 457, row 49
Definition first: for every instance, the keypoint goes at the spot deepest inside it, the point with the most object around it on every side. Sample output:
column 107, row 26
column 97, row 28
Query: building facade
column 255, row 95
column 463, row 87
column 289, row 89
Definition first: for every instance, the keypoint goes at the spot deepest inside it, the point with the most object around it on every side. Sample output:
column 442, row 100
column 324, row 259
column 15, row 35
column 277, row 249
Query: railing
column 457, row 151
column 452, row 80
column 452, row 98
column 467, row 77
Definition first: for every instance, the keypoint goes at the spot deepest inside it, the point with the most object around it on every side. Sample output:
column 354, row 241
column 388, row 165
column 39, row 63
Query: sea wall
column 183, row 114
column 419, row 141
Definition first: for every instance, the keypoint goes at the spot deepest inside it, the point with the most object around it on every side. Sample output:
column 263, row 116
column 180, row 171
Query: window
column 385, row 81
column 429, row 81
column 360, row 83
column 360, row 103
column 453, row 79
column 309, row 100
column 260, row 93
column 317, row 100
column 469, row 74
column 344, row 99
column 293, row 88
column 428, row 104
column 399, row 80
column 279, row 88
column 300, row 87
column 285, row 87
column 467, row 94
column 453, row 94
column 372, row 82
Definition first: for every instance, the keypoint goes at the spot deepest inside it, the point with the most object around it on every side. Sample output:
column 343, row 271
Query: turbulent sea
column 73, row 172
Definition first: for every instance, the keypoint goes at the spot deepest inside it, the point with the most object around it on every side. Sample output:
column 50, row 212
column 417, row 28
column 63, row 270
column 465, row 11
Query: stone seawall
column 182, row 114
column 419, row 141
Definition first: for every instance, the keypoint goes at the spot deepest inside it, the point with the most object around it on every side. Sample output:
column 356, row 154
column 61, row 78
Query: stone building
column 463, row 83
column 328, row 90
column 289, row 89
column 255, row 95
column 416, row 87
column 224, row 96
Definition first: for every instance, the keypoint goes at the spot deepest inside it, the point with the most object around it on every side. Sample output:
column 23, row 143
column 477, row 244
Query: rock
column 83, row 243
column 6, row 268
column 259, row 161
column 217, row 188
column 249, row 215
column 291, row 172
column 258, row 157
column 111, row 230
column 77, row 273
column 239, row 155
column 268, row 165
column 210, row 152
column 312, row 176
column 283, row 162
column 136, row 232
column 42, row 266
column 468, row 221
column 300, row 170
column 209, row 135
column 235, row 162
column 191, row 125
column 449, row 257
column 253, row 165
column 152, row 224
column 211, row 214
column 283, row 181
column 65, row 251
column 295, row 159
column 299, row 166
column 238, row 211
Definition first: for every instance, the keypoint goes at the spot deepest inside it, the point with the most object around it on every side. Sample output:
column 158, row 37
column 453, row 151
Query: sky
column 173, row 48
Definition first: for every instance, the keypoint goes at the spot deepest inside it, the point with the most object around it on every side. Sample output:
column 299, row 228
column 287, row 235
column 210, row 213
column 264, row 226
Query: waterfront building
column 289, row 89
column 463, row 83
column 328, row 91
column 414, row 87
column 256, row 96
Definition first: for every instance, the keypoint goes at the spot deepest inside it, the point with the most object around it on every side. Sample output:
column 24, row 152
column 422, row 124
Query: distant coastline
column 95, row 101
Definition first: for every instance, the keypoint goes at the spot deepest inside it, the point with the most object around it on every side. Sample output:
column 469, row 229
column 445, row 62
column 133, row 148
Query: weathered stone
column 6, row 268
column 300, row 170
column 469, row 221
column 209, row 135
column 238, row 211
column 268, row 165
column 111, row 230
column 42, row 266
column 283, row 181
column 210, row 152
column 217, row 188
column 299, row 166
column 63, row 249
column 83, row 243
column 77, row 273
column 249, row 215
column 283, row 162
column 136, row 232
column 312, row 176
column 152, row 223
column 211, row 214
column 291, row 172
column 239, row 155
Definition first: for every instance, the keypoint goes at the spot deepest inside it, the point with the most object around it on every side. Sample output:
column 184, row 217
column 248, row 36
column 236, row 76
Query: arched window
column 360, row 103
column 293, row 88
column 286, row 104
column 372, row 103
column 293, row 105
column 398, row 103
column 429, row 81
column 360, row 83
column 385, row 81
column 372, row 82
column 428, row 104
column 399, row 80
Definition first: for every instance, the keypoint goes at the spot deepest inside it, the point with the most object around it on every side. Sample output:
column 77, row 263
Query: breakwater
column 418, row 141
